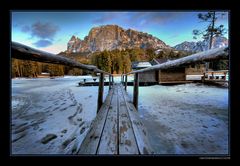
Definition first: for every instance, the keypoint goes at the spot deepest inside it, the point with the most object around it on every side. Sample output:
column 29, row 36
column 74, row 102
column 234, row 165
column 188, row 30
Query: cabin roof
column 159, row 61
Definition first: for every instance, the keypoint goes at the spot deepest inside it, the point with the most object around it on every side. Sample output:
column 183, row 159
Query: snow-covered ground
column 51, row 116
column 185, row 119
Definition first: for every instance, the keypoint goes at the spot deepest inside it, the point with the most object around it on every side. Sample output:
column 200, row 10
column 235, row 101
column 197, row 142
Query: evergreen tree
column 212, row 30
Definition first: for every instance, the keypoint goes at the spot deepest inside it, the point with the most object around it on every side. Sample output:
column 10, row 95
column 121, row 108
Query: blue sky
column 50, row 31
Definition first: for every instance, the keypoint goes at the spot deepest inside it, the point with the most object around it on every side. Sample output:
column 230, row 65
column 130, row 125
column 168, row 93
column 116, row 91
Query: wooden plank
column 100, row 91
column 139, row 130
column 127, row 141
column 135, row 90
column 91, row 141
column 213, row 54
column 109, row 140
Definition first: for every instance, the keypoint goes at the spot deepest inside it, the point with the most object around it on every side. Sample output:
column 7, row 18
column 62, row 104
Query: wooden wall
column 149, row 76
column 195, row 70
column 172, row 75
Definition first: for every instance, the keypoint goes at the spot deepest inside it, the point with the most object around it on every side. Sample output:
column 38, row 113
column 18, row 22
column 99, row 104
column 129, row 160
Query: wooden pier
column 117, row 129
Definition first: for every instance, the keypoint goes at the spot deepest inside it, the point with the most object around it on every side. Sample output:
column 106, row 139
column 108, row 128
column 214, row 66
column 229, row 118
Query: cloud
column 102, row 19
column 109, row 16
column 44, row 30
column 42, row 43
column 41, row 30
column 155, row 17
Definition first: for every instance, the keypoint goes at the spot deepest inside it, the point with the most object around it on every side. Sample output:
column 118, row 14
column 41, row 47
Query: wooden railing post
column 109, row 81
column 125, row 82
column 135, row 91
column 100, row 91
column 203, row 78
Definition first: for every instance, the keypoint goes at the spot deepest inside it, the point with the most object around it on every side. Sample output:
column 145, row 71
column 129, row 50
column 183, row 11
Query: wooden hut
column 175, row 75
column 180, row 74
column 146, row 77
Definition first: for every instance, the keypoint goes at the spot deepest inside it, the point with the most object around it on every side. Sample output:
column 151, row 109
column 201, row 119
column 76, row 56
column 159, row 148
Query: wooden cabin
column 44, row 75
column 146, row 77
column 176, row 75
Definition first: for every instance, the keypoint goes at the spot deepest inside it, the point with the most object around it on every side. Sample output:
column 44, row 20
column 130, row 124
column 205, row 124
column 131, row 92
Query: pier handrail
column 205, row 56
column 23, row 52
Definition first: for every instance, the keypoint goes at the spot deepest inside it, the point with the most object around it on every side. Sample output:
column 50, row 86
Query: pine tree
column 212, row 30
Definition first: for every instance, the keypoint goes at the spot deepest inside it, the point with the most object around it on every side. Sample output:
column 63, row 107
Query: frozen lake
column 52, row 116
column 185, row 119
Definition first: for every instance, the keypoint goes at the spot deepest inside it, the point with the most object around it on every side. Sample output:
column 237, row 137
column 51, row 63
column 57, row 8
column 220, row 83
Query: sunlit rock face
column 110, row 37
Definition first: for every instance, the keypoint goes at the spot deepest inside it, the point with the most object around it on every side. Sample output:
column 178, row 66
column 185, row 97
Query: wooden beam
column 135, row 90
column 23, row 52
column 100, row 91
column 125, row 82
column 210, row 55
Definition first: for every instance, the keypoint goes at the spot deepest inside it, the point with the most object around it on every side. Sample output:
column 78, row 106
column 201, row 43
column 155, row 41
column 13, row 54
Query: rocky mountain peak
column 110, row 37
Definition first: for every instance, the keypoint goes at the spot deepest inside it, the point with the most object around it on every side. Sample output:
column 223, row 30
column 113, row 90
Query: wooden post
column 100, row 91
column 135, row 91
column 109, row 81
column 203, row 77
column 125, row 82
column 157, row 76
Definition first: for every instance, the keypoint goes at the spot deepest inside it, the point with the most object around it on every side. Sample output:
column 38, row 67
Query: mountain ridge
column 201, row 45
column 110, row 37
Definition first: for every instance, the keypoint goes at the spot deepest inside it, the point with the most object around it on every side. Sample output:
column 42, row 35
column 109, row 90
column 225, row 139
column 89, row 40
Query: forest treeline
column 115, row 62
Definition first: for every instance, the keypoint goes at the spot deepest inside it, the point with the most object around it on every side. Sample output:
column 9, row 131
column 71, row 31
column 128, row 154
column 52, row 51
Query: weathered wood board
column 109, row 140
column 127, row 141
column 91, row 141
column 117, row 128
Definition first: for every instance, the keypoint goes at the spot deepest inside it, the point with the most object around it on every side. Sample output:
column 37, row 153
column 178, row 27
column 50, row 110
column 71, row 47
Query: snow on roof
column 144, row 64
column 141, row 64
